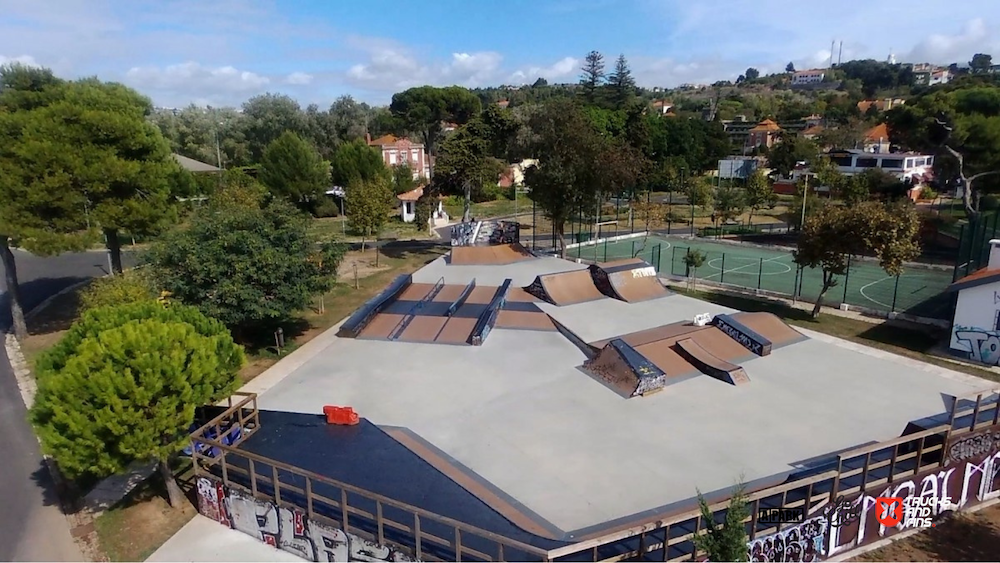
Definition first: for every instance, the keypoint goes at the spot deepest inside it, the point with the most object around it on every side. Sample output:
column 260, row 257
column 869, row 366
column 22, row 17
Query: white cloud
column 26, row 60
column 211, row 85
column 975, row 37
column 560, row 70
column 299, row 78
column 390, row 67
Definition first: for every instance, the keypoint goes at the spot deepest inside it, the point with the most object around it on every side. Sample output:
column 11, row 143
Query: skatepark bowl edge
column 518, row 437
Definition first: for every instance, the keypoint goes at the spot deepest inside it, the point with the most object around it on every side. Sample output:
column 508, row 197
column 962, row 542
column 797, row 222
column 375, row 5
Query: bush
column 676, row 217
column 422, row 210
column 490, row 192
column 131, row 286
column 98, row 320
column 928, row 192
column 326, row 207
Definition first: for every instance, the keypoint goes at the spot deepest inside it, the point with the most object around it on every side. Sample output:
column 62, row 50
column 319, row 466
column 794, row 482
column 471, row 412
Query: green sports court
column 918, row 290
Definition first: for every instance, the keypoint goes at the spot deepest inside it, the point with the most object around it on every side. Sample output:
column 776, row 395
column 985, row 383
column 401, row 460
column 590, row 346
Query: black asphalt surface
column 31, row 525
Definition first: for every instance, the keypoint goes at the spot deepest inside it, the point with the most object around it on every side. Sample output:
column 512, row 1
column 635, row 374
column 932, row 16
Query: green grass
column 899, row 337
column 918, row 290
column 336, row 228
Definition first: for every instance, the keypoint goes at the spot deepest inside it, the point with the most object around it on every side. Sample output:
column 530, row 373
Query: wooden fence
column 825, row 493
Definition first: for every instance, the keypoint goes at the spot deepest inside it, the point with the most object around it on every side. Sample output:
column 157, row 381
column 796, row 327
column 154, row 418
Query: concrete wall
column 286, row 528
column 971, row 476
column 973, row 333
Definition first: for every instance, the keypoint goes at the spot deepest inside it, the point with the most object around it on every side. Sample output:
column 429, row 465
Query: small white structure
column 702, row 319
column 975, row 329
column 812, row 76
column 408, row 207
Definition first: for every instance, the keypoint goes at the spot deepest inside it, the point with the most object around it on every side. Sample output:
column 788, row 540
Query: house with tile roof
column 975, row 327
column 877, row 139
column 397, row 151
column 408, row 207
column 766, row 133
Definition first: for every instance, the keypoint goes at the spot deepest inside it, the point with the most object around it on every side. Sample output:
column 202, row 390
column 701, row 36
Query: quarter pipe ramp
column 565, row 288
column 493, row 255
column 711, row 364
column 631, row 280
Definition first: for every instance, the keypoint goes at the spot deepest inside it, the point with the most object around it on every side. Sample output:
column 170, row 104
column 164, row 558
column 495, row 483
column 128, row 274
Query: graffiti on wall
column 802, row 542
column 983, row 345
column 286, row 528
column 463, row 234
column 970, row 476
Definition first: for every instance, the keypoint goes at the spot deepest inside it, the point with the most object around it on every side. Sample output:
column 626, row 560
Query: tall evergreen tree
column 593, row 76
column 622, row 83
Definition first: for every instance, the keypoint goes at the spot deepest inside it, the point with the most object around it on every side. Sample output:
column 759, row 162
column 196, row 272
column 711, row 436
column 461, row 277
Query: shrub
column 989, row 202
column 326, row 207
column 131, row 286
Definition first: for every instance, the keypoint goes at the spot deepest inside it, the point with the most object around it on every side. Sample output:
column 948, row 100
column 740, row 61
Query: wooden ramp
column 565, row 288
column 631, row 280
column 711, row 364
column 493, row 255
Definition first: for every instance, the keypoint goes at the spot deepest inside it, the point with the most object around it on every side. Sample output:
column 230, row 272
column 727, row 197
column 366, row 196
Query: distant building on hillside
column 882, row 105
column 766, row 134
column 397, row 151
column 804, row 77
column 877, row 139
column 926, row 74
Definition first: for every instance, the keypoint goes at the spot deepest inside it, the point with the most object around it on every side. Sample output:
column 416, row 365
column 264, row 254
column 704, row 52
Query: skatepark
column 572, row 401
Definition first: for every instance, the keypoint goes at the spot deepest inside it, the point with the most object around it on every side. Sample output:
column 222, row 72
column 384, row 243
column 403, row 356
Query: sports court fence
column 920, row 291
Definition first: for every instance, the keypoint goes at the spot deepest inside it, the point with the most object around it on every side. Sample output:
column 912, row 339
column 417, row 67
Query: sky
column 222, row 52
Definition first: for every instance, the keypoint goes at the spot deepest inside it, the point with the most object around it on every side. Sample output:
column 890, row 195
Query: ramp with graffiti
column 631, row 280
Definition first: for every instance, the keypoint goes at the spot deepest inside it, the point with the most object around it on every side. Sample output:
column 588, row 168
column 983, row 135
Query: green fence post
column 958, row 259
column 605, row 250
column 760, row 272
column 659, row 256
column 847, row 277
column 633, row 248
column 895, row 292
column 673, row 258
column 670, row 208
column 722, row 276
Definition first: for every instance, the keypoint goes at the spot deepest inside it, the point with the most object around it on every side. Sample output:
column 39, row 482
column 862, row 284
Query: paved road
column 32, row 528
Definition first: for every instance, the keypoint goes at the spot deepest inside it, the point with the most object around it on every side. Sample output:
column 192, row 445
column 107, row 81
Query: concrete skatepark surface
column 520, row 417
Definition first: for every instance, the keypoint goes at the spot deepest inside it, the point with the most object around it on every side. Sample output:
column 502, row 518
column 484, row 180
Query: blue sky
column 221, row 52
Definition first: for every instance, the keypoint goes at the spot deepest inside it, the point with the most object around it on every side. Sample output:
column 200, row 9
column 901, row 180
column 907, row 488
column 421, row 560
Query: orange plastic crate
column 341, row 415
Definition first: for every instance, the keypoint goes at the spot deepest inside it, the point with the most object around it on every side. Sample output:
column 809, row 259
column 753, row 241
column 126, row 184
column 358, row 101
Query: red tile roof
column 412, row 195
column 878, row 133
column 766, row 125
column 980, row 277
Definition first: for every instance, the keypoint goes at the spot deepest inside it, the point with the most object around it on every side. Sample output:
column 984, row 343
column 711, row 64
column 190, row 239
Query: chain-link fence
column 920, row 290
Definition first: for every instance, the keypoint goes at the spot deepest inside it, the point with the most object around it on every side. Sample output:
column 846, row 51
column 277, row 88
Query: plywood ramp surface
column 481, row 295
column 721, row 345
column 456, row 331
column 415, row 292
column 622, row 262
column 704, row 356
column 568, row 288
column 423, row 329
column 770, row 327
column 449, row 294
column 634, row 289
column 381, row 326
column 529, row 320
column 519, row 295
column 670, row 331
column 663, row 356
column 489, row 255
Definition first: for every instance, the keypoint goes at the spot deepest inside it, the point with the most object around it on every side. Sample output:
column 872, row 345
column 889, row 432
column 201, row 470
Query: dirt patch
column 138, row 525
column 48, row 324
column 364, row 262
column 965, row 537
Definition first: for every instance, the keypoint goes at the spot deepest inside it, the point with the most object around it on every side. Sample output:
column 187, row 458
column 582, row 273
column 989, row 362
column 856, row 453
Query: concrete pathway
column 202, row 539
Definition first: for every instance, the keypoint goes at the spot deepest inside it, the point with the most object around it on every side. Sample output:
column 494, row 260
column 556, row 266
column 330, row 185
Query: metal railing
column 423, row 534
column 669, row 538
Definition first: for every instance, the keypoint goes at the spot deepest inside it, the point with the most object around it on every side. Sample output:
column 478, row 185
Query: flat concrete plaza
column 520, row 414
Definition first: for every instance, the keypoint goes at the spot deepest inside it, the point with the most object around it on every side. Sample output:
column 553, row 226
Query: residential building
column 910, row 167
column 766, row 134
column 804, row 77
column 399, row 150
column 926, row 74
column 503, row 103
column 879, row 105
column 513, row 175
column 877, row 139
column 662, row 107
column 408, row 210
column 811, row 132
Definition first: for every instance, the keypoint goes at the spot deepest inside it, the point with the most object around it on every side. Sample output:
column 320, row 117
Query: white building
column 912, row 167
column 808, row 77
column 408, row 208
column 975, row 328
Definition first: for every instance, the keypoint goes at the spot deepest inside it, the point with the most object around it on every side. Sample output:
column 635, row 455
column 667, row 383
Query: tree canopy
column 293, row 169
column 251, row 268
column 122, row 386
column 356, row 161
column 425, row 108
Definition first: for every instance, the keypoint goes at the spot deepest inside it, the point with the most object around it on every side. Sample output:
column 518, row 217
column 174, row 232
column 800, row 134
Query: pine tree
column 122, row 386
column 622, row 83
column 593, row 76
column 727, row 542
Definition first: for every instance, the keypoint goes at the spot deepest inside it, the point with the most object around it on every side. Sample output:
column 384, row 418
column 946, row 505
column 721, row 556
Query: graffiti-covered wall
column 286, row 528
column 974, row 334
column 970, row 476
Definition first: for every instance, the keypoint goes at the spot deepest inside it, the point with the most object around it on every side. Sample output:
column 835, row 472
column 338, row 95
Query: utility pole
column 805, row 193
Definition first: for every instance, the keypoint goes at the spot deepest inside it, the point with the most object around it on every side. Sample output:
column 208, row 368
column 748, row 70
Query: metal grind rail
column 412, row 314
